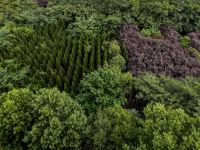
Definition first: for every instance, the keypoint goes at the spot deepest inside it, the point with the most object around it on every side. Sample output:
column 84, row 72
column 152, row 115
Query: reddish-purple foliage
column 160, row 56
column 195, row 40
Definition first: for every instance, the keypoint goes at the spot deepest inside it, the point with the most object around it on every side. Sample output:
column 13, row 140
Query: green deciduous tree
column 114, row 128
column 102, row 88
column 111, row 6
column 59, row 122
column 15, row 117
column 47, row 119
column 167, row 128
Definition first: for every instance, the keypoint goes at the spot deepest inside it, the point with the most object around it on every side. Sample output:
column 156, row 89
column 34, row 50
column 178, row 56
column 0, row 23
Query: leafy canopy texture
column 15, row 117
column 114, row 128
column 149, row 88
column 48, row 119
column 12, row 75
column 104, row 87
column 166, row 128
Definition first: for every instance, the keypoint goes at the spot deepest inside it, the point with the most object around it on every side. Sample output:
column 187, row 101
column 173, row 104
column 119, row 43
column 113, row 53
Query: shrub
column 113, row 48
column 114, row 128
column 194, row 52
column 118, row 61
column 152, row 32
column 185, row 41
column 103, row 88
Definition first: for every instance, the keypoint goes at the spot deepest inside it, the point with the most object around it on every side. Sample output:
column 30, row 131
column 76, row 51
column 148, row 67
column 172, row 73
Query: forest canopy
column 100, row 74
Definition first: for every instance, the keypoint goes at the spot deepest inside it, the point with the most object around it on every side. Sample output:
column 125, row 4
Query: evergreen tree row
column 57, row 58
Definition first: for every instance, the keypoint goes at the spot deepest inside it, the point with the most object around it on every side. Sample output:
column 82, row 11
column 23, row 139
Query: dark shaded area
column 160, row 56
column 42, row 3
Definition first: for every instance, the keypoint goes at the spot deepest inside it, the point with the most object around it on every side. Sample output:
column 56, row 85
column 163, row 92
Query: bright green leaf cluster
column 48, row 119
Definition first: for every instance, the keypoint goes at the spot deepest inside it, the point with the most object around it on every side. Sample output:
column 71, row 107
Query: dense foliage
column 195, row 40
column 45, row 120
column 12, row 75
column 114, row 128
column 182, row 14
column 184, row 93
column 56, row 58
column 167, row 128
column 65, row 80
column 160, row 56
column 102, row 88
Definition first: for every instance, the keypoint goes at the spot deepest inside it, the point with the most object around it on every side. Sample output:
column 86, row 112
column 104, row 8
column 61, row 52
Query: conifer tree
column 73, row 53
column 77, row 70
column 59, row 60
column 50, row 64
column 70, row 70
column 61, row 74
column 45, row 61
column 51, row 81
column 63, row 71
column 103, row 37
column 63, row 44
column 80, row 46
column 71, row 61
column 87, row 49
column 59, row 82
column 98, row 52
column 105, row 54
column 65, row 60
column 67, row 52
column 66, row 85
column 92, row 56
column 79, row 55
column 75, row 80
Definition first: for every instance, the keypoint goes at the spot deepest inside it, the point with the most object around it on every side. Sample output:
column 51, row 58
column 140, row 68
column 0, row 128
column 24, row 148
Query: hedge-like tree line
column 56, row 57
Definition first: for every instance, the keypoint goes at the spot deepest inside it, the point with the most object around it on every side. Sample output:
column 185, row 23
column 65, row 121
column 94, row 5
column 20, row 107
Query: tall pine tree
column 98, row 52
column 92, row 55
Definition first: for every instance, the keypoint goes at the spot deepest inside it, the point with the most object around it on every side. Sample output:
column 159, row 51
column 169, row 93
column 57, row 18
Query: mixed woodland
column 99, row 74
